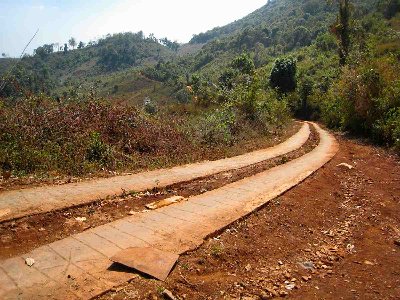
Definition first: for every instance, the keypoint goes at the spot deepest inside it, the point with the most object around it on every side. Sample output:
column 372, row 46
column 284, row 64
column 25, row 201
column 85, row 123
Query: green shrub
column 244, row 64
column 387, row 129
column 226, row 79
column 216, row 127
column 325, row 42
column 271, row 112
column 149, row 106
column 331, row 110
column 365, row 100
column 97, row 151
column 283, row 75
column 183, row 96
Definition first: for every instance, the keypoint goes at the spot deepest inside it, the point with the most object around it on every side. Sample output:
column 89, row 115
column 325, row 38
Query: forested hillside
column 273, row 30
column 289, row 23
column 53, row 66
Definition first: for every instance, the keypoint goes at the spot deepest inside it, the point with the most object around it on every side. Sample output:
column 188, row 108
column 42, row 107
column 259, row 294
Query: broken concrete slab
column 165, row 202
column 168, row 295
column 345, row 166
column 29, row 261
column 150, row 261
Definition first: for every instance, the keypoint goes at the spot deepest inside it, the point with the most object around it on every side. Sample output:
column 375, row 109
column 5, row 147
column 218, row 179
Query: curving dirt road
column 79, row 266
column 18, row 203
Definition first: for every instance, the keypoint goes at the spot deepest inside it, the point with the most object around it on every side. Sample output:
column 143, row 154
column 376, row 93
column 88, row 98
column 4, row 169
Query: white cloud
column 39, row 7
column 176, row 19
column 88, row 20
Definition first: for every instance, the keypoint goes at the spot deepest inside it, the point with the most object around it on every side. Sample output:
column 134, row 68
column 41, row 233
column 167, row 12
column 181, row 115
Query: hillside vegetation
column 343, row 74
column 49, row 69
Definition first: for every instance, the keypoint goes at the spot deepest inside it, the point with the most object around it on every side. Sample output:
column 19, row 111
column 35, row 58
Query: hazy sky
column 90, row 19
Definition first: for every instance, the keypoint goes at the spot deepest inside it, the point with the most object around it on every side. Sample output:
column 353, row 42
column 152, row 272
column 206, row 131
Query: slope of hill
column 6, row 63
column 360, row 94
column 275, row 29
column 47, row 69
column 277, row 15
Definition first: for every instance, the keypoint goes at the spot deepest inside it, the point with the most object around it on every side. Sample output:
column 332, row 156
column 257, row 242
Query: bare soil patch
column 335, row 236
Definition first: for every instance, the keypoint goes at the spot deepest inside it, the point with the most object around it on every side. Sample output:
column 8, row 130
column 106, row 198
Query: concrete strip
column 86, row 257
column 150, row 261
column 43, row 199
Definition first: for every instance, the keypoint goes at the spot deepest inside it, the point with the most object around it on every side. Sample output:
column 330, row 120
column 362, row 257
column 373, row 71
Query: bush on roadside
column 365, row 100
column 216, row 127
column 40, row 135
column 98, row 151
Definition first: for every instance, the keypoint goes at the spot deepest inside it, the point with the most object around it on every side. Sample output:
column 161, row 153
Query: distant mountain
column 53, row 66
column 113, row 53
column 275, row 29
column 280, row 14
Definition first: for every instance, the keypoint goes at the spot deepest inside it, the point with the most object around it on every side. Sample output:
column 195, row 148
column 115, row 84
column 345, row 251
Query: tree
column 152, row 38
column 283, row 75
column 81, row 45
column 389, row 7
column 44, row 50
column 341, row 29
column 196, row 83
column 4, row 55
column 226, row 79
column 305, row 90
column 260, row 55
column 174, row 46
column 325, row 42
column 301, row 37
column 244, row 64
column 65, row 48
column 72, row 42
column 312, row 7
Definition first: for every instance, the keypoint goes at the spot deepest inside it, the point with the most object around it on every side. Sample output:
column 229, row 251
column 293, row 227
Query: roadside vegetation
column 336, row 62
column 80, row 136
column 129, row 102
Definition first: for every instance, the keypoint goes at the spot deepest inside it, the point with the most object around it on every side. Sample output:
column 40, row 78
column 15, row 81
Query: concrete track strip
column 47, row 198
column 78, row 267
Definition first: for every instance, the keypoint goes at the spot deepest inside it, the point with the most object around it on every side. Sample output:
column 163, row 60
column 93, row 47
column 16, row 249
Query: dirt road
column 79, row 266
column 24, row 202
column 335, row 236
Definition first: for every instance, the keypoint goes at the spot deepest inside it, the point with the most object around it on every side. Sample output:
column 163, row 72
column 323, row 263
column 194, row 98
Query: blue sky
column 86, row 20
